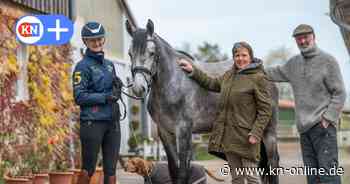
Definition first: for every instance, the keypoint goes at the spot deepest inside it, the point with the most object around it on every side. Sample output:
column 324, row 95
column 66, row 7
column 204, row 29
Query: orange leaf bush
column 44, row 120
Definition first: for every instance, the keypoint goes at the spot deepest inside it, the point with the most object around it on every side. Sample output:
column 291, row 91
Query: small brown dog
column 158, row 173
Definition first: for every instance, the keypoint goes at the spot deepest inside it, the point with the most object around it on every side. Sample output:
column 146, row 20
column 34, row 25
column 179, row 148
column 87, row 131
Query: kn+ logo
column 44, row 29
column 29, row 29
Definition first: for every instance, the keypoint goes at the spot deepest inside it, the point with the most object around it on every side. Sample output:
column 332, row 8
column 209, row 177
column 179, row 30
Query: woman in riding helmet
column 99, row 128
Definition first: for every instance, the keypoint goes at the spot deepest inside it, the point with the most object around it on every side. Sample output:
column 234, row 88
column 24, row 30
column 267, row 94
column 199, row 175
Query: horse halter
column 143, row 70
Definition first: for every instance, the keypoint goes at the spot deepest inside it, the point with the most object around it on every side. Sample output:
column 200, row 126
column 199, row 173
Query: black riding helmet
column 92, row 30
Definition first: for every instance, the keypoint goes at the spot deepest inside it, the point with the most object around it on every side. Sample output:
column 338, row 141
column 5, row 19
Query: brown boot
column 112, row 180
column 83, row 177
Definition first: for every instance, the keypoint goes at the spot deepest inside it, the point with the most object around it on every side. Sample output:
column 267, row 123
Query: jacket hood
column 254, row 67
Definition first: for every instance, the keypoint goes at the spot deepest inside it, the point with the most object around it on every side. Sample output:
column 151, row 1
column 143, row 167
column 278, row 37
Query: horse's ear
column 150, row 27
column 130, row 28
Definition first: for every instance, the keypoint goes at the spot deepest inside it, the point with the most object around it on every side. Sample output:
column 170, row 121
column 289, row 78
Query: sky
column 266, row 24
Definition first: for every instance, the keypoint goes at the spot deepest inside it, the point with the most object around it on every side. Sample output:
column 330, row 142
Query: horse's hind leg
column 169, row 143
column 184, row 140
column 271, row 150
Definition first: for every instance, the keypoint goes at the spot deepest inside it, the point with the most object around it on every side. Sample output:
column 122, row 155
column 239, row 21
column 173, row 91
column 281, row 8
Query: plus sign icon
column 44, row 29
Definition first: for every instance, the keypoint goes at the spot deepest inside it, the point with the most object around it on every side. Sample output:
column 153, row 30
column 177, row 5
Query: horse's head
column 144, row 57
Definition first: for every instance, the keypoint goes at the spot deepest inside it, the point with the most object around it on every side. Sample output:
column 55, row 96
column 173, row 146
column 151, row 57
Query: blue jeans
column 320, row 150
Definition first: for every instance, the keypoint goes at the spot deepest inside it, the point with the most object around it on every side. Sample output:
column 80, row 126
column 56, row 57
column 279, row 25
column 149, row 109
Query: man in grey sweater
column 319, row 94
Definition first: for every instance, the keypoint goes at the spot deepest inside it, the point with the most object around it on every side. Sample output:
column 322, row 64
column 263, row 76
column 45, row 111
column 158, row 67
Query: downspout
column 72, row 17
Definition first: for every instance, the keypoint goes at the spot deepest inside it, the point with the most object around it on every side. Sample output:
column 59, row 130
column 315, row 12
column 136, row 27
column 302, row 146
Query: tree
column 280, row 56
column 207, row 52
column 210, row 53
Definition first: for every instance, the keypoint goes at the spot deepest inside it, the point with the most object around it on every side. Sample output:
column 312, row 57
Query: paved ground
column 290, row 157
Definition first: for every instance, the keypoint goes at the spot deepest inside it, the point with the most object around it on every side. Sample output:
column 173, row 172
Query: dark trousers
column 320, row 150
column 95, row 135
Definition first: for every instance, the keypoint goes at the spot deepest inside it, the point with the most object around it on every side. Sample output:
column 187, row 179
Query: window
column 21, row 86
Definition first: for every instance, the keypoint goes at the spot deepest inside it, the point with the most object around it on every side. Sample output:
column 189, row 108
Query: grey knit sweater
column 317, row 85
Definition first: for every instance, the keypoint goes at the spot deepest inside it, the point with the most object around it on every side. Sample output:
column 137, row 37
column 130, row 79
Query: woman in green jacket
column 246, row 108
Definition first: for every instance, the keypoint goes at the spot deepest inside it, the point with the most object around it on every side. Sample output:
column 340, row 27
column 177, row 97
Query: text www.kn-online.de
column 293, row 171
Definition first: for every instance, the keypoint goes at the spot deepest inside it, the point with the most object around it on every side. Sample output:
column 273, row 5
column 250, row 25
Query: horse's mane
column 140, row 43
column 180, row 54
column 185, row 55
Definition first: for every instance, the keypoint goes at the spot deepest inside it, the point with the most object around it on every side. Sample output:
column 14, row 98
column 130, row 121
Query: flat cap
column 302, row 29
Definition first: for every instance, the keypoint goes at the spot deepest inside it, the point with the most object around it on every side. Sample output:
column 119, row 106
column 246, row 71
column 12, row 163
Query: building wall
column 345, row 121
column 109, row 14
column 122, row 68
column 47, row 6
column 12, row 9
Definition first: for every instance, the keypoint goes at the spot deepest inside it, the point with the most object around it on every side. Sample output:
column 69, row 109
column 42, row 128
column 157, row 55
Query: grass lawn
column 201, row 153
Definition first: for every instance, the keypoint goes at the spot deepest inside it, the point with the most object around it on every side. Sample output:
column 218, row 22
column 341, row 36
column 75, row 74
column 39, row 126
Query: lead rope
column 148, row 178
column 131, row 96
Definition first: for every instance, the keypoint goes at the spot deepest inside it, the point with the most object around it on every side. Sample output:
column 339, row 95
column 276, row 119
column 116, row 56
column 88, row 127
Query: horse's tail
column 264, row 164
column 211, row 174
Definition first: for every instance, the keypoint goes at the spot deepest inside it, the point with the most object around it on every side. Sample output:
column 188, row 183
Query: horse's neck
column 168, row 70
column 166, row 87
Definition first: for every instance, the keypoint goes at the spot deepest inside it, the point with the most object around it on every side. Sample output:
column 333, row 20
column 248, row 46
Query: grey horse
column 178, row 105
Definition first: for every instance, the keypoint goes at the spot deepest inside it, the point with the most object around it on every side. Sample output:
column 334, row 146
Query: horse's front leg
column 184, row 149
column 169, row 143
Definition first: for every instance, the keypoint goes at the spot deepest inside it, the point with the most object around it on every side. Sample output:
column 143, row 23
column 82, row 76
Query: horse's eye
column 151, row 54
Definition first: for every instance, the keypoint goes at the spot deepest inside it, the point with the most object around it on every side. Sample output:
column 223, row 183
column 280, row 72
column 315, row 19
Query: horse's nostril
column 143, row 89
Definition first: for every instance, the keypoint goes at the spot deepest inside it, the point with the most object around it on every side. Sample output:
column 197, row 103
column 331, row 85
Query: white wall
column 123, row 71
column 109, row 14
